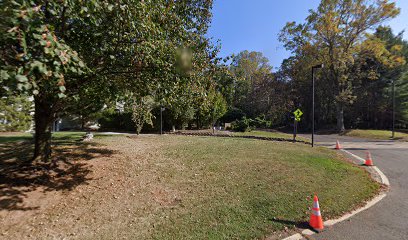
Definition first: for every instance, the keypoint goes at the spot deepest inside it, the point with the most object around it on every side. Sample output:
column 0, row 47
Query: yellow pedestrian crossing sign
column 298, row 113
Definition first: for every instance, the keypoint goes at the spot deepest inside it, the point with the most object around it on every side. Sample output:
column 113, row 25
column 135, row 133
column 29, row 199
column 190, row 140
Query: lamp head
column 319, row 66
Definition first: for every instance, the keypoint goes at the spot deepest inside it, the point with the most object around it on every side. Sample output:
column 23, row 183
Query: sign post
column 298, row 113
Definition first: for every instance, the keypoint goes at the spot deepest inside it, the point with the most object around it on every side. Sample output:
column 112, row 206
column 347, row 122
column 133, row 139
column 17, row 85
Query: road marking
column 371, row 203
column 384, row 179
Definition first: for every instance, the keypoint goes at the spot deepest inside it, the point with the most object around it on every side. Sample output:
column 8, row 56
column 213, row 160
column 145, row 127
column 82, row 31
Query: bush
column 116, row 121
column 261, row 122
column 248, row 124
column 232, row 114
column 243, row 125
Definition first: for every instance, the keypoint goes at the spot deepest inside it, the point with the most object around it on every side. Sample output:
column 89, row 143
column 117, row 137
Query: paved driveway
column 388, row 219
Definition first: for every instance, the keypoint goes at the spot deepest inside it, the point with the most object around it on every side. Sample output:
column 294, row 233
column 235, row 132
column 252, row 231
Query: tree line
column 363, row 61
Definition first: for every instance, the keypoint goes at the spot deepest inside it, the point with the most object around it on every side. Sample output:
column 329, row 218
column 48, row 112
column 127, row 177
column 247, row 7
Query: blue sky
column 254, row 24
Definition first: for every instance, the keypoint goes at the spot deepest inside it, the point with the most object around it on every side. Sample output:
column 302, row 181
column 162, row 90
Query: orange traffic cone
column 316, row 221
column 338, row 146
column 369, row 160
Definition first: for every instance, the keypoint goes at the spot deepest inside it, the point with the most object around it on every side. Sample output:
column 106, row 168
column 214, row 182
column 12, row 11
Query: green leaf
column 62, row 88
column 4, row 75
column 61, row 95
column 73, row 69
column 40, row 66
column 21, row 78
column 27, row 86
column 23, row 42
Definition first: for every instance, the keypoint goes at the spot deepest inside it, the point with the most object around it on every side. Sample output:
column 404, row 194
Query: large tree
column 249, row 70
column 55, row 50
column 331, row 35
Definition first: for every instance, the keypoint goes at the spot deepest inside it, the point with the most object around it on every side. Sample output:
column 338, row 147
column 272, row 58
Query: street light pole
column 393, row 109
column 313, row 100
column 313, row 105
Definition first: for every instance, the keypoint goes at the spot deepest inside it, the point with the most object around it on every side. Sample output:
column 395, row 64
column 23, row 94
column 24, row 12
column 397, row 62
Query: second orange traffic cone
column 338, row 146
column 316, row 221
column 369, row 160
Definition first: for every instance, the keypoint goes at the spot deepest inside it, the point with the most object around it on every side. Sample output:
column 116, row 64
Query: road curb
column 372, row 202
column 296, row 236
column 384, row 179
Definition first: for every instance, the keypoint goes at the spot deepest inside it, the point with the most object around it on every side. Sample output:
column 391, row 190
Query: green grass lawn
column 15, row 137
column 181, row 187
column 17, row 147
column 258, row 133
column 376, row 134
column 245, row 189
column 56, row 136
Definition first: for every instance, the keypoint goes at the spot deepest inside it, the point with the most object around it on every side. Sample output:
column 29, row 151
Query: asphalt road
column 388, row 219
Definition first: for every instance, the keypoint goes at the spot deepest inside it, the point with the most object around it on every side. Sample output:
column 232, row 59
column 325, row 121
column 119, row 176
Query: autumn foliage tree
column 36, row 61
column 332, row 35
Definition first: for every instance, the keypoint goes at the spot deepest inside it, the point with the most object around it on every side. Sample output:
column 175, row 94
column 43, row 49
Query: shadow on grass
column 16, row 138
column 68, row 169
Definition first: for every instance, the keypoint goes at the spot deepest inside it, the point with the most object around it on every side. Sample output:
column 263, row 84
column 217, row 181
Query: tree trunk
column 43, row 119
column 340, row 118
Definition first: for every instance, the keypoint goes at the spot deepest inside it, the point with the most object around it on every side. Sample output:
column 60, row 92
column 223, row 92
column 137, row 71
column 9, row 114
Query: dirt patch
column 102, row 188
column 27, row 191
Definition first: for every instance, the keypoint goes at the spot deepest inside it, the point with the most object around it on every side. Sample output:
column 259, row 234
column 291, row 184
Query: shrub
column 243, row 125
column 117, row 121
column 261, row 122
column 232, row 114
